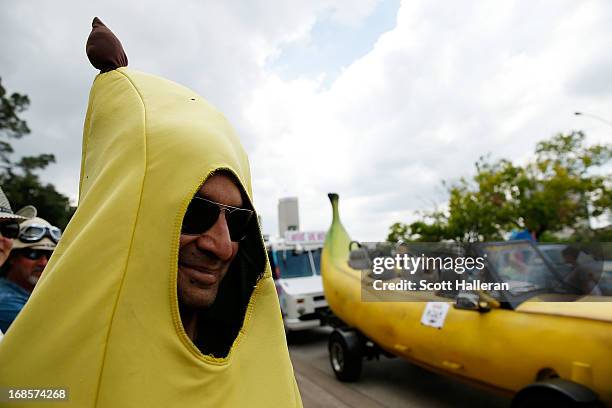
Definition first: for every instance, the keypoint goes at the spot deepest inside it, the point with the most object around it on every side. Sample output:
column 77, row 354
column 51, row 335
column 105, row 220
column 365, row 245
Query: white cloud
column 446, row 86
column 451, row 82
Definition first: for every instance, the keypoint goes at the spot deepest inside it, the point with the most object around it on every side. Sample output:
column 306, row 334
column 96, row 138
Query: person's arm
column 8, row 312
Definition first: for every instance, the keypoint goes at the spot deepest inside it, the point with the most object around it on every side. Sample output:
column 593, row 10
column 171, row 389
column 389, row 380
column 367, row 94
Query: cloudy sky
column 377, row 100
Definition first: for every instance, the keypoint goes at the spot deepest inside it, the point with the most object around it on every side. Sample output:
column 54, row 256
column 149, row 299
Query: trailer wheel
column 546, row 398
column 345, row 355
column 556, row 392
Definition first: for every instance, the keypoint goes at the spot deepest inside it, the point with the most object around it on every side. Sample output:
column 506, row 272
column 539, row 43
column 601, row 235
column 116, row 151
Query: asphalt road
column 384, row 383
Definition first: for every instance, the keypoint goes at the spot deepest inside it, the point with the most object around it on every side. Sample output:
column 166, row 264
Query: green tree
column 556, row 190
column 11, row 125
column 18, row 178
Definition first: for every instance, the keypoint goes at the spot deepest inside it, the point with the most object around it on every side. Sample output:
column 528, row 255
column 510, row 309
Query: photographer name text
column 424, row 285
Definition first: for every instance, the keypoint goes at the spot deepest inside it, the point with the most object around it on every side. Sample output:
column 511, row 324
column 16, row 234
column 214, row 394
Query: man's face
column 5, row 245
column 26, row 266
column 204, row 259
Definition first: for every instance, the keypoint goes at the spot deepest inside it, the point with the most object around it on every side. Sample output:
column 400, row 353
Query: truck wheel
column 292, row 336
column 345, row 355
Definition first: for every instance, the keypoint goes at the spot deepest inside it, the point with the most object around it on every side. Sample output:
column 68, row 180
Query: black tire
column 548, row 398
column 293, row 336
column 345, row 355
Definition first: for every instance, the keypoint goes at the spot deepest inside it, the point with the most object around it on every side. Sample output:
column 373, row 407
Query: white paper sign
column 435, row 314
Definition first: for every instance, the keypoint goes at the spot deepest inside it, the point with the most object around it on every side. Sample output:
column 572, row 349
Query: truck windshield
column 298, row 264
column 316, row 259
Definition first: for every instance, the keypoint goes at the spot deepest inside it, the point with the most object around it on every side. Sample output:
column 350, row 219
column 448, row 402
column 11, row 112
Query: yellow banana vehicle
column 542, row 353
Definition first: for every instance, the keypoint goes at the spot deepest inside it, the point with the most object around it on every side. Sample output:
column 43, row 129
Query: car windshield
column 297, row 264
column 524, row 268
column 554, row 255
column 521, row 266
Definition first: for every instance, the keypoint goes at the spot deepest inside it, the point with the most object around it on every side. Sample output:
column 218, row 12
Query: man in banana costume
column 159, row 293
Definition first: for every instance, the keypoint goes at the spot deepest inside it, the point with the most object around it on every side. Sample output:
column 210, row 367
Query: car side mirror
column 471, row 301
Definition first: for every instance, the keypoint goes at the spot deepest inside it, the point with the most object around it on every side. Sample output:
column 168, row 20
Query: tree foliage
column 18, row 178
column 558, row 189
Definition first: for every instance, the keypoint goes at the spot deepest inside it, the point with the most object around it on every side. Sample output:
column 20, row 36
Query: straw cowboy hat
column 6, row 212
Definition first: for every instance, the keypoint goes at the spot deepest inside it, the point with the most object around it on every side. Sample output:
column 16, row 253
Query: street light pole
column 607, row 122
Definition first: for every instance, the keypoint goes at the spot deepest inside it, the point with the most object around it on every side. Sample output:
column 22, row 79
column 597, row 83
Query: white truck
column 295, row 262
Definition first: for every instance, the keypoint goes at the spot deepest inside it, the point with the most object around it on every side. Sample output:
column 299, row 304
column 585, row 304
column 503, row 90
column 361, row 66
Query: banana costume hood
column 103, row 321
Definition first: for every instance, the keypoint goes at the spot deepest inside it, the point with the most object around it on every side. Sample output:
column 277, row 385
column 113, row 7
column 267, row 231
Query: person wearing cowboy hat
column 9, row 226
column 31, row 251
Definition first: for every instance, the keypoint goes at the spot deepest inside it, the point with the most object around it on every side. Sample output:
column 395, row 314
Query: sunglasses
column 35, row 254
column 36, row 232
column 202, row 214
column 9, row 229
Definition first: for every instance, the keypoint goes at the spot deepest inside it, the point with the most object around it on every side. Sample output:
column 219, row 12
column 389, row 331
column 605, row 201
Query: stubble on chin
column 193, row 297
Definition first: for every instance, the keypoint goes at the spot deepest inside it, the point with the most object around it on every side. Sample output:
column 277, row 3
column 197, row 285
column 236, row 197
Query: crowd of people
column 26, row 244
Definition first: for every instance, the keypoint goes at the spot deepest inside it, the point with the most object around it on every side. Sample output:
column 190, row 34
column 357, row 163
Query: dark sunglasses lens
column 35, row 254
column 9, row 230
column 237, row 223
column 200, row 216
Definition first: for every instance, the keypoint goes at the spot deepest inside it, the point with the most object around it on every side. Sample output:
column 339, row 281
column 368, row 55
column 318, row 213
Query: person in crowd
column 22, row 270
column 9, row 229
column 584, row 274
column 160, row 293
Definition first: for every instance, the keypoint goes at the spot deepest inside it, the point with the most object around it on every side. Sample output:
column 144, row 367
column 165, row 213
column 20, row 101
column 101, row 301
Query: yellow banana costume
column 103, row 321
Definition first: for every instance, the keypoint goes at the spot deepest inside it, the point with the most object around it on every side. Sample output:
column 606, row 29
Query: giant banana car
column 540, row 352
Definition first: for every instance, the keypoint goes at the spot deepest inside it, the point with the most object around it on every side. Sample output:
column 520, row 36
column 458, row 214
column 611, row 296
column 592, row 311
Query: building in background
column 288, row 215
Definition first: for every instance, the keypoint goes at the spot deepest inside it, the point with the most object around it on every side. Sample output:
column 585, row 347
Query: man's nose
column 43, row 261
column 217, row 239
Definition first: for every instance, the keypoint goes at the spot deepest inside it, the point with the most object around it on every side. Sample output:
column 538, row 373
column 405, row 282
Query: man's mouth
column 200, row 276
column 33, row 279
